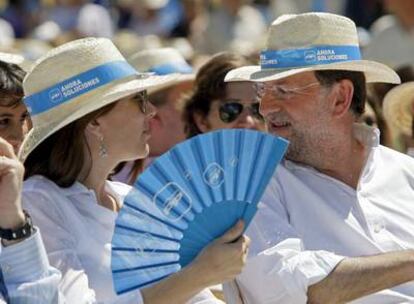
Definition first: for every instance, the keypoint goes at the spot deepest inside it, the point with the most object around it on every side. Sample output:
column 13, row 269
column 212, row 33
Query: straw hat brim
column 178, row 79
column 86, row 104
column 374, row 72
column 398, row 107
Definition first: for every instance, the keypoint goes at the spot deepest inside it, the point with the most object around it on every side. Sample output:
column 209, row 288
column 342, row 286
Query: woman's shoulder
column 39, row 183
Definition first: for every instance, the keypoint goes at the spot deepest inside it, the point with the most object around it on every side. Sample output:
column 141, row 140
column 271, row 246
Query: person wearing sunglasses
column 215, row 104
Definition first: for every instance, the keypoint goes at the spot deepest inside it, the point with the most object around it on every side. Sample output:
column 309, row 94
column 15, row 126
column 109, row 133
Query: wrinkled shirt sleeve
column 27, row 274
column 73, row 285
column 204, row 297
column 279, row 268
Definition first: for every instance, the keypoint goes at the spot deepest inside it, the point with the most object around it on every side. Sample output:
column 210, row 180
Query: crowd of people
column 82, row 120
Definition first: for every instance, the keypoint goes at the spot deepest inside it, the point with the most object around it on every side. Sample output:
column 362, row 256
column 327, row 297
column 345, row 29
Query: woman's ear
column 93, row 128
column 201, row 122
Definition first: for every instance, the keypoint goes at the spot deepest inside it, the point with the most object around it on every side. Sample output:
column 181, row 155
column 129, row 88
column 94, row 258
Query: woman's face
column 14, row 124
column 237, row 109
column 125, row 128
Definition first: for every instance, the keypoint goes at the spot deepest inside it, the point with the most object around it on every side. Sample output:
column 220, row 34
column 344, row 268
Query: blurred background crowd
column 200, row 28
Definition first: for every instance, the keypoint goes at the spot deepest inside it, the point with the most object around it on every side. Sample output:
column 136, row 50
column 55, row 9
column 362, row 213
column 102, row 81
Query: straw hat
column 75, row 79
column 15, row 59
column 11, row 58
column 398, row 107
column 310, row 42
column 154, row 4
column 163, row 61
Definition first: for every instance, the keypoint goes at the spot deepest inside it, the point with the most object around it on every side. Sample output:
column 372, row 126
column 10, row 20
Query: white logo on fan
column 187, row 175
column 234, row 161
column 213, row 175
column 177, row 203
column 146, row 245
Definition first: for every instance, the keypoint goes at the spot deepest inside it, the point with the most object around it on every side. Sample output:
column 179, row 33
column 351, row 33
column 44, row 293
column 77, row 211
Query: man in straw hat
column 90, row 112
column 337, row 221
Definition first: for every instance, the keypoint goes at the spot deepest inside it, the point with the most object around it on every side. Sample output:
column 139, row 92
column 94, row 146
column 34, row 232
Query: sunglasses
column 230, row 111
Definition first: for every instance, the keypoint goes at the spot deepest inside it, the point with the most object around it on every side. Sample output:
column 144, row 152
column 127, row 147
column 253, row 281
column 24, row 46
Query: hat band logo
column 322, row 54
column 75, row 86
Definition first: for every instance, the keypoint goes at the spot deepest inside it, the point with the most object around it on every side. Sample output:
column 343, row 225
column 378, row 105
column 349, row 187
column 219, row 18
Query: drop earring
column 103, row 151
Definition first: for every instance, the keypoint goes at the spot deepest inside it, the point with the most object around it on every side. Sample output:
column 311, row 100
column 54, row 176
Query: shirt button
column 378, row 228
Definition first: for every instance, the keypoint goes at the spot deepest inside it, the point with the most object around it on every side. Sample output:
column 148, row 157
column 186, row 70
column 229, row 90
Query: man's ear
column 201, row 122
column 343, row 93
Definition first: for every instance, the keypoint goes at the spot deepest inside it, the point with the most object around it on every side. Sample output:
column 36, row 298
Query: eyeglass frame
column 277, row 89
column 143, row 101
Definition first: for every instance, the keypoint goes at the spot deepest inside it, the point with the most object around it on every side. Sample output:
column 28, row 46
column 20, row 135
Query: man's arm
column 357, row 277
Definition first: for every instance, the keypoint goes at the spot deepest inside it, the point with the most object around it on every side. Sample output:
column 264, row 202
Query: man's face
column 167, row 127
column 295, row 108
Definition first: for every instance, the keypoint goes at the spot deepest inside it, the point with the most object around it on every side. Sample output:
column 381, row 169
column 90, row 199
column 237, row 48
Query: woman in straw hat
column 14, row 118
column 85, row 102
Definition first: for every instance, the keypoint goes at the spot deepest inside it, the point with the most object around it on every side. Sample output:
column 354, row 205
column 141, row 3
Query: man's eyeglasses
column 143, row 101
column 282, row 92
column 230, row 111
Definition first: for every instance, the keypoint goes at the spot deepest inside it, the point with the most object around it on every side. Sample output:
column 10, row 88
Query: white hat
column 15, row 59
column 164, row 61
column 7, row 36
column 154, row 4
column 310, row 42
column 75, row 79
column 398, row 107
column 11, row 58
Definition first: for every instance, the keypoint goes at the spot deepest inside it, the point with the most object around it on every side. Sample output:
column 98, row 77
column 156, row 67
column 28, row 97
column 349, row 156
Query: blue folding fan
column 188, row 197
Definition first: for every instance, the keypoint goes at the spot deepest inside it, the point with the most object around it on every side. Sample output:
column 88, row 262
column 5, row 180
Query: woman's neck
column 96, row 180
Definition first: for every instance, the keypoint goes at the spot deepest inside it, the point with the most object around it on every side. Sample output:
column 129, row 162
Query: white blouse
column 77, row 233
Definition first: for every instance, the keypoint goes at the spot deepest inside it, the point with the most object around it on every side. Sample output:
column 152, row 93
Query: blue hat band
column 170, row 68
column 322, row 54
column 77, row 85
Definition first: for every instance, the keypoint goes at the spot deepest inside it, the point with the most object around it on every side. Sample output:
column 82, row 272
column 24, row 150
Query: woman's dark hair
column 329, row 77
column 61, row 157
column 209, row 86
column 11, row 84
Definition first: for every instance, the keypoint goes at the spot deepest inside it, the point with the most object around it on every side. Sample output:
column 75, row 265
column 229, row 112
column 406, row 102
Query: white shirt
column 307, row 222
column 77, row 233
column 27, row 274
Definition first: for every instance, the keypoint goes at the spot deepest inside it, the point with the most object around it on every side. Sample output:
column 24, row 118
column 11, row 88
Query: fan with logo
column 188, row 197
